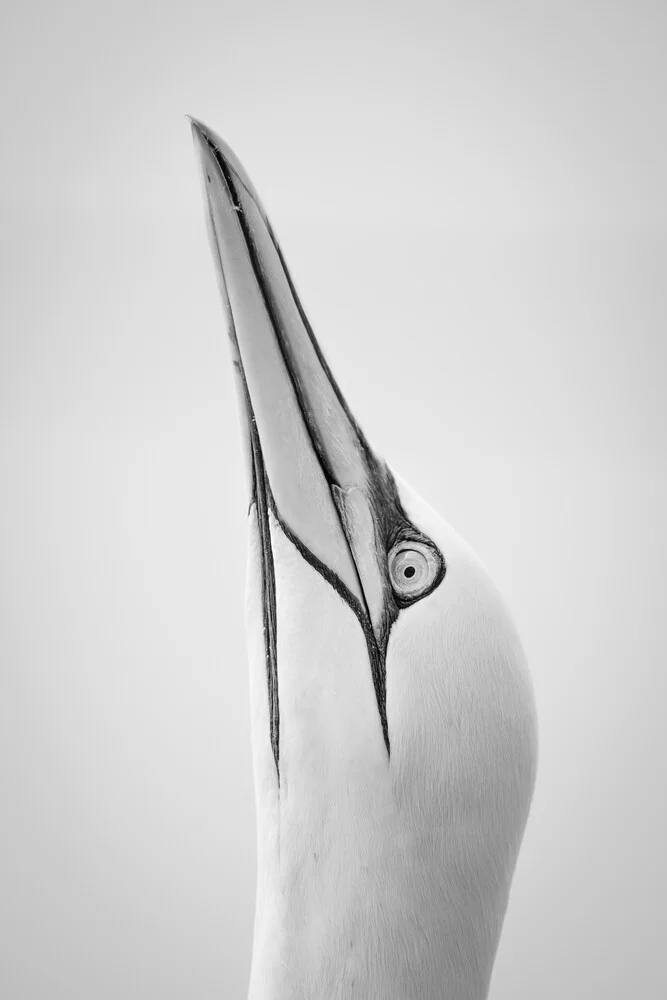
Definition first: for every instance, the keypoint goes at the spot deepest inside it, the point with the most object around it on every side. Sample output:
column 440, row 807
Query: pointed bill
column 322, row 477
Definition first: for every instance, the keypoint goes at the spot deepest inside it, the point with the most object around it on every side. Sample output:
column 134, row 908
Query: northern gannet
column 393, row 717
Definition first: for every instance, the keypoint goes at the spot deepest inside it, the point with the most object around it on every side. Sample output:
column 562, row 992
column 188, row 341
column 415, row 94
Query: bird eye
column 413, row 568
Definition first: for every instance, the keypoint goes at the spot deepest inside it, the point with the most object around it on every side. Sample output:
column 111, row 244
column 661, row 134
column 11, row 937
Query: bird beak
column 310, row 469
column 307, row 459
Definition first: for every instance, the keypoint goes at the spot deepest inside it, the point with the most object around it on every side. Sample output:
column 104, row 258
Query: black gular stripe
column 391, row 521
column 269, row 615
column 376, row 653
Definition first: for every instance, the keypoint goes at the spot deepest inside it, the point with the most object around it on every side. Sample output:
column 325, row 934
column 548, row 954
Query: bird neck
column 374, row 921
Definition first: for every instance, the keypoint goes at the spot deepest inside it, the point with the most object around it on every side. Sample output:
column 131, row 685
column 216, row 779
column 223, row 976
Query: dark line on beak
column 365, row 447
column 260, row 493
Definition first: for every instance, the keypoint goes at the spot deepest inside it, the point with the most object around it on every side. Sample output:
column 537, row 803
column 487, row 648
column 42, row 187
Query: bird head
column 392, row 713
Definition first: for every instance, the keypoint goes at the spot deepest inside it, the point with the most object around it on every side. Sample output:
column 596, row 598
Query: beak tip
column 207, row 137
column 199, row 130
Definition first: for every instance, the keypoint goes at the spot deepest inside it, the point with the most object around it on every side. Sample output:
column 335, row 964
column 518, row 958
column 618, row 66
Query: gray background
column 472, row 200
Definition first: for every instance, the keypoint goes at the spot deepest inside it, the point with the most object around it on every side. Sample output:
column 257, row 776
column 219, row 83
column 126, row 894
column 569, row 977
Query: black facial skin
column 390, row 520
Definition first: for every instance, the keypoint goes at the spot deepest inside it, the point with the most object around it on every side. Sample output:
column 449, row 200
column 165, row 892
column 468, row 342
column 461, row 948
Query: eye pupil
column 409, row 571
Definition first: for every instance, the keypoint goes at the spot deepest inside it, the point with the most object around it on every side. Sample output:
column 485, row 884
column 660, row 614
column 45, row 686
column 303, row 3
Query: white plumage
column 394, row 728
